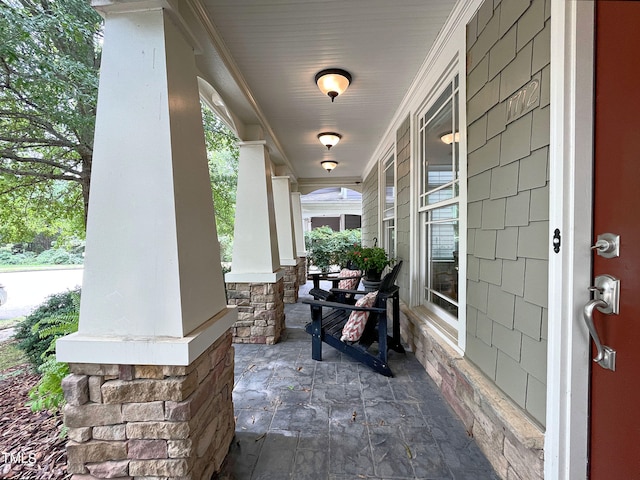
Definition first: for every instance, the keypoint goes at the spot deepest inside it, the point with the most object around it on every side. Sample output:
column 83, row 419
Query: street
column 27, row 290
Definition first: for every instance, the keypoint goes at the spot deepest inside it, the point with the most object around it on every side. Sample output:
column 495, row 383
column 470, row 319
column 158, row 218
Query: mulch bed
column 30, row 443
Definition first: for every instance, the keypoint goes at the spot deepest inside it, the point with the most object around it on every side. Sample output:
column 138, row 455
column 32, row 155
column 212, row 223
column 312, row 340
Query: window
column 438, row 203
column 388, row 207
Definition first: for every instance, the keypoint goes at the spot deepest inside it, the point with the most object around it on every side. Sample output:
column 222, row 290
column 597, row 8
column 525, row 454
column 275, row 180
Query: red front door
column 614, row 451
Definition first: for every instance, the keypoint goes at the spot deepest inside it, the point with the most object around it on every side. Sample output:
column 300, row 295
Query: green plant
column 346, row 242
column 56, row 307
column 327, row 248
column 47, row 393
column 371, row 260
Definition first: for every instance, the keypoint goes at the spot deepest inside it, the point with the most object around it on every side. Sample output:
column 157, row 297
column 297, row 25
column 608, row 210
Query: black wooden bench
column 329, row 318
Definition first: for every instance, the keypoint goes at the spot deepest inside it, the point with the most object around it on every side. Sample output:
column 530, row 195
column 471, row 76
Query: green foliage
column 371, row 260
column 53, row 256
column 8, row 257
column 50, row 55
column 47, row 393
column 56, row 316
column 58, row 256
column 49, row 61
column 327, row 248
column 226, row 248
column 222, row 153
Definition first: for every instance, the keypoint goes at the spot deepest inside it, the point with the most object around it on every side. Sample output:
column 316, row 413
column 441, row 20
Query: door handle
column 606, row 357
column 607, row 294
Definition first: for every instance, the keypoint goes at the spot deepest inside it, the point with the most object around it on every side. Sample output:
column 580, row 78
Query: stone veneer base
column 302, row 270
column 291, row 284
column 151, row 421
column 512, row 443
column 260, row 311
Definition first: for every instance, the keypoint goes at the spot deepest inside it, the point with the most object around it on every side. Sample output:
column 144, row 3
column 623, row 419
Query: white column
column 153, row 291
column 298, row 224
column 256, row 258
column 284, row 221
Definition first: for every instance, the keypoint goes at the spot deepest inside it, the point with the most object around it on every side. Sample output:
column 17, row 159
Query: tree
column 49, row 66
column 49, row 61
column 222, row 152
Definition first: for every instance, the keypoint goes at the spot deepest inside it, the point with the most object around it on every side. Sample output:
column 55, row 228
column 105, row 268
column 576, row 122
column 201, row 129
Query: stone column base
column 291, row 284
column 260, row 311
column 302, row 270
column 143, row 421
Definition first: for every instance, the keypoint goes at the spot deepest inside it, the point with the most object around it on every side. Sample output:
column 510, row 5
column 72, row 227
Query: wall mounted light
column 333, row 81
column 329, row 139
column 449, row 138
column 329, row 165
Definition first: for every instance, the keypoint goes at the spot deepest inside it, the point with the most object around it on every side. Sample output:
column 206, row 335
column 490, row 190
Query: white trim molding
column 571, row 124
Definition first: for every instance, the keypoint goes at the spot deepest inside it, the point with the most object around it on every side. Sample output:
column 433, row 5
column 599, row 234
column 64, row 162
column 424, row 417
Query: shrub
column 326, row 247
column 9, row 255
column 33, row 342
column 54, row 256
column 56, row 317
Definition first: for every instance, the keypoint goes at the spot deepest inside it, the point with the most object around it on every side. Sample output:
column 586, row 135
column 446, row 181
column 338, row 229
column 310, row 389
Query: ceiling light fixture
column 329, row 139
column 449, row 138
column 333, row 81
column 329, row 165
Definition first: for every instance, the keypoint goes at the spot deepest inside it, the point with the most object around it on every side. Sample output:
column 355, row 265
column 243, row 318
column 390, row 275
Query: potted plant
column 371, row 260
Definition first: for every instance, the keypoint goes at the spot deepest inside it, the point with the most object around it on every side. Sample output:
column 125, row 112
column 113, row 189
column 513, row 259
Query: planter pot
column 370, row 285
column 373, row 276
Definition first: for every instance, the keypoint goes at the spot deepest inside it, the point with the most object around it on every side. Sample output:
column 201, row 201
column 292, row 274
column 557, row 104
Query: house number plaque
column 524, row 100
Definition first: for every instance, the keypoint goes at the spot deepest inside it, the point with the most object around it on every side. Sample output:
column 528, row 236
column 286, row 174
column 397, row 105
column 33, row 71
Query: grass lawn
column 10, row 322
column 29, row 268
column 10, row 356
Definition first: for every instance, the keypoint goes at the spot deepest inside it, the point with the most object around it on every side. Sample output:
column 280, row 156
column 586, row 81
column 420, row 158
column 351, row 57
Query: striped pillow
column 349, row 283
column 352, row 330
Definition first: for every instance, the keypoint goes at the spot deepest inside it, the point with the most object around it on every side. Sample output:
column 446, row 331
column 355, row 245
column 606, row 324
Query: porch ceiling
column 275, row 48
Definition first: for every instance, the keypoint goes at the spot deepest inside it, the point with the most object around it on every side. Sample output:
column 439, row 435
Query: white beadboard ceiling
column 277, row 47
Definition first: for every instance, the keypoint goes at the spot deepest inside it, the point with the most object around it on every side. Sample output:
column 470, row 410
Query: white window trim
column 382, row 196
column 570, row 190
column 452, row 38
column 453, row 68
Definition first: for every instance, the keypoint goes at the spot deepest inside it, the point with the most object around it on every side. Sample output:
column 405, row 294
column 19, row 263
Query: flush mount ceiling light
column 449, row 138
column 329, row 139
column 333, row 81
column 329, row 165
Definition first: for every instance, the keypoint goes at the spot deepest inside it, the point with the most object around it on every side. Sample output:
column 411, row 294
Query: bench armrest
column 341, row 306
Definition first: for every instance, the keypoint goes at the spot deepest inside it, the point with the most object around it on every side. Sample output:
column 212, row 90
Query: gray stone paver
column 336, row 419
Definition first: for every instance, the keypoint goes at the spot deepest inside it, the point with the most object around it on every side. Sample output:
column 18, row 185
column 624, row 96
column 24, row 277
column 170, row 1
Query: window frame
column 451, row 328
column 388, row 223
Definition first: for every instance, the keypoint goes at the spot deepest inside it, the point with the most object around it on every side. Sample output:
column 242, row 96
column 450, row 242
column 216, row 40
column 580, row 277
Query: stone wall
column 510, row 440
column 144, row 421
column 508, row 51
column 260, row 311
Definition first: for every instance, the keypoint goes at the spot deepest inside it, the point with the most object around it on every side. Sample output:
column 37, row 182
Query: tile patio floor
column 336, row 420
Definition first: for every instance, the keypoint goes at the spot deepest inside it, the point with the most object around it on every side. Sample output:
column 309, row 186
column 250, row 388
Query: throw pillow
column 352, row 330
column 349, row 283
